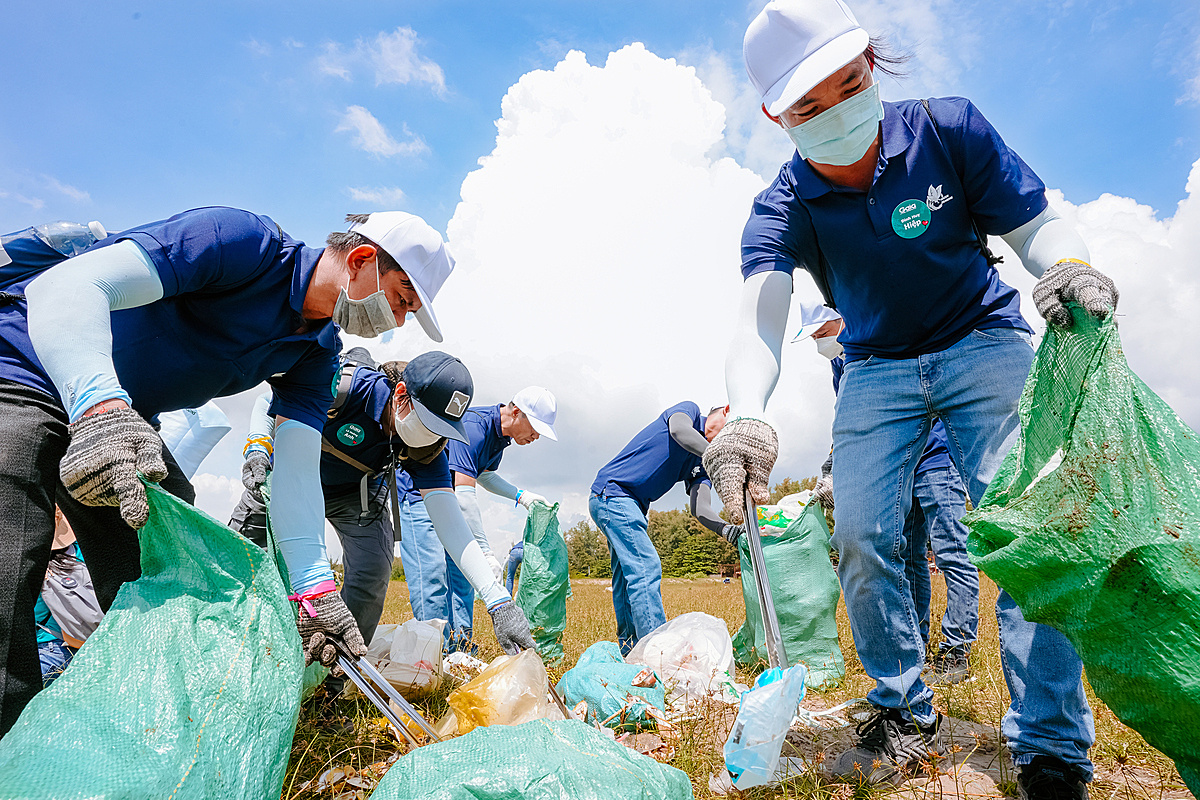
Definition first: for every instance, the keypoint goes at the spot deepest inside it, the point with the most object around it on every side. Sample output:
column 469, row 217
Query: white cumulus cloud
column 392, row 57
column 371, row 135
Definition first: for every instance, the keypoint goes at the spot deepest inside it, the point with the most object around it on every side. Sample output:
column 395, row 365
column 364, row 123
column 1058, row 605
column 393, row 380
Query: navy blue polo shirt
column 902, row 261
column 937, row 451
column 653, row 462
column 357, row 431
column 233, row 289
column 485, row 444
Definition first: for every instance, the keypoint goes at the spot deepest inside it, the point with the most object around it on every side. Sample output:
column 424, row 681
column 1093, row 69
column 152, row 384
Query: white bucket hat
column 541, row 407
column 420, row 252
column 812, row 317
column 792, row 45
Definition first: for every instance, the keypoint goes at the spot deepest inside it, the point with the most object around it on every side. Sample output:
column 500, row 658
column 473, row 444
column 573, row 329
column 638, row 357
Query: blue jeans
column 939, row 502
column 883, row 416
column 514, row 561
column 636, row 568
column 437, row 588
column 54, row 657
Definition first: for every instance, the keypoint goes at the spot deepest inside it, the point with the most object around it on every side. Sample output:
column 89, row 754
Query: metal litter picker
column 364, row 674
column 776, row 657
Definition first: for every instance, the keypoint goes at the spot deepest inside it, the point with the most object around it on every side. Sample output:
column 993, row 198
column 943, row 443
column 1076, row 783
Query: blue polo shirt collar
column 896, row 135
column 507, row 440
column 306, row 267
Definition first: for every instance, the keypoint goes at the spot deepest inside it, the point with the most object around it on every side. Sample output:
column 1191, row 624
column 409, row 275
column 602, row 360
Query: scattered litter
column 648, row 744
column 828, row 718
column 606, row 683
column 462, row 666
column 512, row 690
column 766, row 714
column 409, row 656
column 693, row 656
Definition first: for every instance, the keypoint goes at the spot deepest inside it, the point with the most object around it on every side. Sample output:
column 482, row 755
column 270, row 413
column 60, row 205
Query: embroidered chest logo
column 935, row 199
column 457, row 405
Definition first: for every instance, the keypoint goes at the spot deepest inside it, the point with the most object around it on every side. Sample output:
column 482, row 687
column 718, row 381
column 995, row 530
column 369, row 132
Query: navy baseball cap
column 441, row 389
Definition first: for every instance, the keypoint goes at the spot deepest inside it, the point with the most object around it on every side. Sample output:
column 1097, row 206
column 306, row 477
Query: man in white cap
column 887, row 206
column 164, row 316
column 437, row 588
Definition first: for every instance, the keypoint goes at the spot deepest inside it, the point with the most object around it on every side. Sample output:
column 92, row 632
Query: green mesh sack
column 805, row 589
column 538, row 760
column 1105, row 546
column 542, row 592
column 603, row 678
column 189, row 688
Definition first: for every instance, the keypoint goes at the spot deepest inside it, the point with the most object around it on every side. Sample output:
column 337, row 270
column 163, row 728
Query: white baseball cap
column 792, row 45
column 420, row 252
column 812, row 317
column 541, row 408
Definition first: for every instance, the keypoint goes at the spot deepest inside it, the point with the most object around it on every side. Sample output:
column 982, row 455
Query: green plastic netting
column 542, row 592
column 805, row 589
column 538, row 760
column 189, row 688
column 1105, row 546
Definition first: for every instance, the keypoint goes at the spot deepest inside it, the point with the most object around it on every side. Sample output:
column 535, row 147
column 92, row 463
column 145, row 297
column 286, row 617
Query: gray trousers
column 367, row 550
column 33, row 429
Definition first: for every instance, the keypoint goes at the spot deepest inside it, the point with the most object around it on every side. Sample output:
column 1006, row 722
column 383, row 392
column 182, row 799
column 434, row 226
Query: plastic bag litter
column 1104, row 547
column 409, row 656
column 766, row 713
column 512, row 690
column 604, row 680
column 693, row 655
column 189, row 688
column 544, row 586
column 805, row 588
column 539, row 760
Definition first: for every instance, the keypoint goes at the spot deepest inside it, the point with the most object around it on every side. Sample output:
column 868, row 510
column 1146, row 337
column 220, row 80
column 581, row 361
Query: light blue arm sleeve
column 298, row 505
column 69, row 319
column 469, row 504
column 752, row 366
column 1045, row 240
column 497, row 485
column 452, row 529
column 262, row 426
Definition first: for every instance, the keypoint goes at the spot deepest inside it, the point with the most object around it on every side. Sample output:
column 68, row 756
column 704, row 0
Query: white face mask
column 843, row 134
column 413, row 432
column 829, row 346
column 369, row 317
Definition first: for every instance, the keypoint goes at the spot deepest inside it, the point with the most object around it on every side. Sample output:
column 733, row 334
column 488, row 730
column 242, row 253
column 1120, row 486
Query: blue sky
column 597, row 239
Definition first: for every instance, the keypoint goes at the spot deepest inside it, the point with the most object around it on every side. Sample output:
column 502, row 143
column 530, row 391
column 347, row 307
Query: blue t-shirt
column 653, row 462
column 901, row 260
column 357, row 431
column 233, row 289
column 486, row 443
column 937, row 452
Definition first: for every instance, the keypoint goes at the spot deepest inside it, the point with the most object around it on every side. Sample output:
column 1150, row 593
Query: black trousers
column 33, row 439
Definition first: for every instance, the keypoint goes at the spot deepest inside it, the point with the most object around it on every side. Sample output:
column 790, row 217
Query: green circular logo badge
column 910, row 219
column 351, row 434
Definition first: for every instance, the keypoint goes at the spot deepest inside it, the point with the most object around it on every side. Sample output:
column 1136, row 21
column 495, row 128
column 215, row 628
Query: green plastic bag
column 542, row 592
column 1105, row 547
column 189, row 688
column 805, row 589
column 538, row 760
column 603, row 678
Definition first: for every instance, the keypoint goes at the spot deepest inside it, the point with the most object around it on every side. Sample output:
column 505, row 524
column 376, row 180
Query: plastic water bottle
column 70, row 238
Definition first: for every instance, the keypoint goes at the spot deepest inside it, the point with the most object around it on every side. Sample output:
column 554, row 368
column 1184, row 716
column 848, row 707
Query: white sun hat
column 812, row 316
column 420, row 252
column 792, row 45
column 541, row 408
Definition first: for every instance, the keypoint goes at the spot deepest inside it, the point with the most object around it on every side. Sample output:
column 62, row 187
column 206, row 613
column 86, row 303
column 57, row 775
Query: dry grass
column 1127, row 767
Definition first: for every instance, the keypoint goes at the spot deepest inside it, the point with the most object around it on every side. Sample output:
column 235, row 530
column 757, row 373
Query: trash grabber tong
column 776, row 657
column 364, row 674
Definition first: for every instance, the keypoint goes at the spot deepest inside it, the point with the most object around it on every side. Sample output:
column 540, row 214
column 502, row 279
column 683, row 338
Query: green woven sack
column 189, row 688
column 603, row 679
column 538, row 760
column 1105, row 547
column 805, row 589
column 542, row 592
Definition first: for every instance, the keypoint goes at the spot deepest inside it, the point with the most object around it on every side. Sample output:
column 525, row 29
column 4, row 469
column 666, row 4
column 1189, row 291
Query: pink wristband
column 305, row 599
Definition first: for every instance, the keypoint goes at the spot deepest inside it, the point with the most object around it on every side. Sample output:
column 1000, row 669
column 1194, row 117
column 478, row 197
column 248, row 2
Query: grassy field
column 1126, row 766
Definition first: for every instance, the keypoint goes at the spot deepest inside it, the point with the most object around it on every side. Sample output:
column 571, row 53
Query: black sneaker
column 950, row 665
column 1047, row 778
column 888, row 745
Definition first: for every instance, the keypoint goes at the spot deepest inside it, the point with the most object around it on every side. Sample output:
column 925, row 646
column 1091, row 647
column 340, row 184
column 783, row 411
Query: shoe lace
column 872, row 732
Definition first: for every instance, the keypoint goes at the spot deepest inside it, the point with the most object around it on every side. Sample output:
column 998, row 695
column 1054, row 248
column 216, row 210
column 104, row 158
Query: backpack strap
column 992, row 258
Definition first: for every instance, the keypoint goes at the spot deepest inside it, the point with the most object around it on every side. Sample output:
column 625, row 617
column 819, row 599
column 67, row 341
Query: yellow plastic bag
column 512, row 690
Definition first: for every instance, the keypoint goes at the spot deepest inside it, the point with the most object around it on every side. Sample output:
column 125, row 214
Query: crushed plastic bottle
column 70, row 238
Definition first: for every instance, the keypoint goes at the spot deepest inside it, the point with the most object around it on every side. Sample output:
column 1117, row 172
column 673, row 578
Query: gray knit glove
column 322, row 620
column 733, row 532
column 511, row 627
column 823, row 492
column 254, row 471
column 106, row 453
column 743, row 453
column 1074, row 281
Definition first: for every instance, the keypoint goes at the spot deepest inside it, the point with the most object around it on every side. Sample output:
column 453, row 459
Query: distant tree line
column 685, row 546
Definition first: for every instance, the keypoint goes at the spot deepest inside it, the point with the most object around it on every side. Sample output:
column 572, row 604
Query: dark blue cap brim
column 451, row 429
